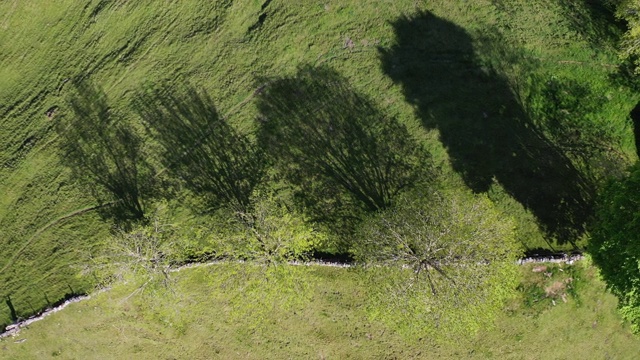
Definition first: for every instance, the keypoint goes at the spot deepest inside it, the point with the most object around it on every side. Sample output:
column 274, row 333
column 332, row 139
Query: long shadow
column 106, row 153
column 482, row 123
column 336, row 148
column 200, row 147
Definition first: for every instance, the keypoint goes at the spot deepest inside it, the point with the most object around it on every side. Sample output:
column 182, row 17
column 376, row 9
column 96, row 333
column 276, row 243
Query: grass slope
column 222, row 46
column 196, row 320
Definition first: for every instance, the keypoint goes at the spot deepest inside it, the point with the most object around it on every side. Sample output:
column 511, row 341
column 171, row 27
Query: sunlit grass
column 124, row 44
column 195, row 318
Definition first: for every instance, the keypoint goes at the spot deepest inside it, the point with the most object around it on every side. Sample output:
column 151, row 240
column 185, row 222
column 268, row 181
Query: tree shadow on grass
column 200, row 147
column 482, row 123
column 567, row 110
column 593, row 20
column 106, row 154
column 339, row 151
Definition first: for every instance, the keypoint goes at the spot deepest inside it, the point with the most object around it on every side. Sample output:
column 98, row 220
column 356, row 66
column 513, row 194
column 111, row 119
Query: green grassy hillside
column 196, row 319
column 494, row 89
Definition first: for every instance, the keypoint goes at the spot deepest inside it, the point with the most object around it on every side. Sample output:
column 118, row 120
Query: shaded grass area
column 486, row 130
column 592, row 21
column 196, row 320
column 223, row 46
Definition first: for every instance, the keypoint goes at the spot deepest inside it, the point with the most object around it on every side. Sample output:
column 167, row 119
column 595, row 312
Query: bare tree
column 438, row 259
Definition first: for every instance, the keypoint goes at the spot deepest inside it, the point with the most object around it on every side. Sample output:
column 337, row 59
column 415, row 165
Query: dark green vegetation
column 615, row 230
column 627, row 12
column 302, row 123
column 615, row 242
column 484, row 126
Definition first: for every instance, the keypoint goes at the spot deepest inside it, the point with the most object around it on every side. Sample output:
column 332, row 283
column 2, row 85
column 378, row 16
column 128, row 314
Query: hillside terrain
column 513, row 107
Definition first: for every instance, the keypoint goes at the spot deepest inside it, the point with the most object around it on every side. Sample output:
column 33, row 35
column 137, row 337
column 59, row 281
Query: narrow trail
column 14, row 329
column 46, row 227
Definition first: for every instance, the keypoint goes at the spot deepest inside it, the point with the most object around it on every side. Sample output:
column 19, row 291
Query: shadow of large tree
column 200, row 147
column 482, row 124
column 335, row 146
column 106, row 153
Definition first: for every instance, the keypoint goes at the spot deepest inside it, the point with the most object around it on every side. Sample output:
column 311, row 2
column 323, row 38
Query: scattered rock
column 558, row 289
column 348, row 43
column 555, row 289
column 538, row 269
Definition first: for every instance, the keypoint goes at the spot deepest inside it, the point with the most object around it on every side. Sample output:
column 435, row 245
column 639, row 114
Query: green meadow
column 196, row 319
column 519, row 100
